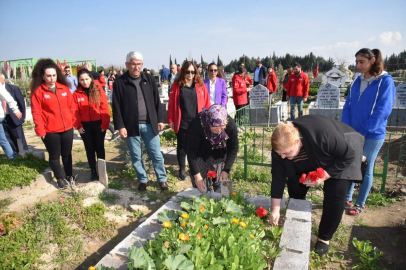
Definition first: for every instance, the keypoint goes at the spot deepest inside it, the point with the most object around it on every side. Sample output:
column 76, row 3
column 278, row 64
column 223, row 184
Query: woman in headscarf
column 212, row 145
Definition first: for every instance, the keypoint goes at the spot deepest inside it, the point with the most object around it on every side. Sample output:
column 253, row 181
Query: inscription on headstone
column 259, row 96
column 400, row 98
column 328, row 96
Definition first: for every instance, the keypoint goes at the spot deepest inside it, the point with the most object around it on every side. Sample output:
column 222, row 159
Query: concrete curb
column 295, row 240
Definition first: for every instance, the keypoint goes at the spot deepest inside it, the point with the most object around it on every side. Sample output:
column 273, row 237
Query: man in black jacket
column 259, row 74
column 137, row 114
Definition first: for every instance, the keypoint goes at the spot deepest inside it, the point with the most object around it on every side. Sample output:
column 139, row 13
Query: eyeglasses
column 213, row 70
column 190, row 72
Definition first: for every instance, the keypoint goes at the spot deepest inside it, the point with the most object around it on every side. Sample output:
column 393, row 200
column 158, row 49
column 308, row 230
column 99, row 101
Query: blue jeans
column 153, row 146
column 4, row 142
column 293, row 102
column 371, row 149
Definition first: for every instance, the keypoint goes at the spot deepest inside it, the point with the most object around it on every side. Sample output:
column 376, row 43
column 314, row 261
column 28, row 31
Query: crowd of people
column 205, row 133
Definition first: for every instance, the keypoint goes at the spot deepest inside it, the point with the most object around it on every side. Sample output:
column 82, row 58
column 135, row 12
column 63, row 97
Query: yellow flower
column 92, row 268
column 235, row 220
column 199, row 236
column 184, row 215
column 252, row 236
column 201, row 208
column 166, row 244
column 206, row 227
column 233, row 193
column 183, row 237
column 167, row 224
column 243, row 224
column 183, row 224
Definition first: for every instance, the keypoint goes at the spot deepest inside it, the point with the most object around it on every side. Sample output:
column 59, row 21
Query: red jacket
column 52, row 112
column 174, row 112
column 271, row 83
column 247, row 79
column 92, row 112
column 239, row 90
column 298, row 86
column 102, row 80
column 285, row 85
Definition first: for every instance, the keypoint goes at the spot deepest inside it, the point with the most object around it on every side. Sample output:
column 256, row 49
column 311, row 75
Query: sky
column 108, row 30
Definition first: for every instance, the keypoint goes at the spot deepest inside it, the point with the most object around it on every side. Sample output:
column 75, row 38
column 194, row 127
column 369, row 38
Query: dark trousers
column 93, row 139
column 239, row 115
column 284, row 94
column 180, row 149
column 14, row 132
column 57, row 145
column 335, row 192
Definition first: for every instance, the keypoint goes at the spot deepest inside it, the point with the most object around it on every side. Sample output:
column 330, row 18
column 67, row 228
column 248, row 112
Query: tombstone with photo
column 398, row 114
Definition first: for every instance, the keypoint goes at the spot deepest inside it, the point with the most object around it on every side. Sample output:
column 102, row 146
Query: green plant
column 369, row 257
column 168, row 137
column 5, row 203
column 107, row 197
column 377, row 199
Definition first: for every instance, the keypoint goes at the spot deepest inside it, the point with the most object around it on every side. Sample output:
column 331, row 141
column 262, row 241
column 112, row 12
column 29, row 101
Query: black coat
column 198, row 145
column 15, row 92
column 329, row 144
column 125, row 103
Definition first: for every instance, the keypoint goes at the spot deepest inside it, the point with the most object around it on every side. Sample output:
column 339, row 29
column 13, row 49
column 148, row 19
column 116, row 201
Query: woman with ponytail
column 92, row 117
column 369, row 103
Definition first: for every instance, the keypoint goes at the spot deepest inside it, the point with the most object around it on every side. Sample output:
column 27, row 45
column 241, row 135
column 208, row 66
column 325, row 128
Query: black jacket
column 125, row 103
column 262, row 75
column 329, row 144
column 15, row 92
column 198, row 146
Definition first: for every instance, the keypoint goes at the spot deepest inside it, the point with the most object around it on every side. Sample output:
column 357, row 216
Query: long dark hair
column 220, row 73
column 39, row 71
column 181, row 78
column 377, row 67
column 94, row 94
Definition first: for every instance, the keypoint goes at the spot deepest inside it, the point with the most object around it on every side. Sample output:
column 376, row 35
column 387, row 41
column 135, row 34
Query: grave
column 398, row 115
column 338, row 78
column 328, row 102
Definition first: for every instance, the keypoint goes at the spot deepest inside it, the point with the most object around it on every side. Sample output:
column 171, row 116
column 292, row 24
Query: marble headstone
column 328, row 96
column 335, row 77
column 259, row 96
column 400, row 98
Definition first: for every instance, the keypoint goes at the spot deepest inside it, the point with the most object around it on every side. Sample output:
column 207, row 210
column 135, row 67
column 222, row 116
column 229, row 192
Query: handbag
column 364, row 166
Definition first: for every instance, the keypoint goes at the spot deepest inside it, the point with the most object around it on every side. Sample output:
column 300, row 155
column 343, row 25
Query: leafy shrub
column 168, row 137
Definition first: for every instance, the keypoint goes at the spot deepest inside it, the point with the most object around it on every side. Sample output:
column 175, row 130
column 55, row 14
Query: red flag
column 316, row 71
column 59, row 64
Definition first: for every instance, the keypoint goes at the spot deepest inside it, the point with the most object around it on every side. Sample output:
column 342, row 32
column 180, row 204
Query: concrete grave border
column 295, row 240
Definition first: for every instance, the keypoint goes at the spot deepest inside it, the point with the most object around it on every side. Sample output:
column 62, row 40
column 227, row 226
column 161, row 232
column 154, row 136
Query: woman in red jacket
column 289, row 71
column 240, row 97
column 92, row 117
column 53, row 111
column 188, row 96
column 271, row 82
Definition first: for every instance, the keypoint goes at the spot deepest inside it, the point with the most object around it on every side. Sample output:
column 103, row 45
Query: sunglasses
column 213, row 70
column 190, row 72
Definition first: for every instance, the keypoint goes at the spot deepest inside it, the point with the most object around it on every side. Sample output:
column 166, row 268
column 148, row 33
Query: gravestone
column 335, row 77
column 328, row 96
column 103, row 178
column 259, row 96
column 400, row 98
column 226, row 187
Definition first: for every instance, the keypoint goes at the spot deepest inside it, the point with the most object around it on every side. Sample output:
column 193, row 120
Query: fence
column 255, row 126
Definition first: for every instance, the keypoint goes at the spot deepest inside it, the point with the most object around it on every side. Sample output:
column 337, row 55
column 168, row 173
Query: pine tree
column 201, row 60
column 170, row 61
column 176, row 63
column 219, row 62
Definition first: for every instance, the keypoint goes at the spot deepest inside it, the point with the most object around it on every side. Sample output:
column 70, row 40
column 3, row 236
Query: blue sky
column 108, row 30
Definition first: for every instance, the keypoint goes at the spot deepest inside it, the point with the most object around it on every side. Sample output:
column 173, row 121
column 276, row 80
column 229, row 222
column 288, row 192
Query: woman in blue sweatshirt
column 369, row 103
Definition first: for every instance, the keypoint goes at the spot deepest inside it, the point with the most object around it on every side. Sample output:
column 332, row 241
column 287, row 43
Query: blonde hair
column 284, row 136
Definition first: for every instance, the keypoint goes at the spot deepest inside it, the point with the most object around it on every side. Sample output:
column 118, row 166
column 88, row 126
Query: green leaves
column 178, row 262
column 139, row 259
column 231, row 207
column 368, row 256
column 220, row 220
column 168, row 215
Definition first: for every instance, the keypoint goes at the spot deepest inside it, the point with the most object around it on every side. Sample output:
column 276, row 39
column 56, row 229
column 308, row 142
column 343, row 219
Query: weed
column 368, row 256
column 117, row 210
column 376, row 199
column 116, row 184
column 138, row 214
column 168, row 137
column 5, row 203
column 107, row 197
column 129, row 173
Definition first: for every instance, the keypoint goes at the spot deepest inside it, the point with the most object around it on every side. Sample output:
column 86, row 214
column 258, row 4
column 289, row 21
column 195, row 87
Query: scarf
column 215, row 116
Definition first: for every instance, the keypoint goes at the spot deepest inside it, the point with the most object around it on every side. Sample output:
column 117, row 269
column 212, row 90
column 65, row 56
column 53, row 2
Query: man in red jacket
column 298, row 90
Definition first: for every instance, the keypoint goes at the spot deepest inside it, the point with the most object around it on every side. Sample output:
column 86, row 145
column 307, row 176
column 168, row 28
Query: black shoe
column 182, row 175
column 164, row 186
column 61, row 183
column 94, row 176
column 321, row 248
column 115, row 136
column 142, row 186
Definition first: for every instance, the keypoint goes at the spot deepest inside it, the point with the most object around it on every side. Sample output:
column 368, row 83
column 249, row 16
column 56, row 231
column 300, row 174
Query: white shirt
column 5, row 96
column 213, row 92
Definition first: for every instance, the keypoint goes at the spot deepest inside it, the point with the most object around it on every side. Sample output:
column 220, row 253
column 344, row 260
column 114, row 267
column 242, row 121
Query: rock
column 158, row 201
column 142, row 208
column 89, row 201
column 92, row 188
column 403, row 191
column 145, row 198
column 152, row 203
column 142, row 219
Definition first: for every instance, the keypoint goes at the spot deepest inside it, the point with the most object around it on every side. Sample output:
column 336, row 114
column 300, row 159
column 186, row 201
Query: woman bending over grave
column 92, row 118
column 188, row 96
column 53, row 112
column 310, row 151
column 212, row 145
column 369, row 103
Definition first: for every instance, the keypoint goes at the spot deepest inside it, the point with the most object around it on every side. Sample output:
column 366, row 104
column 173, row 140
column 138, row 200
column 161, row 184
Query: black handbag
column 364, row 165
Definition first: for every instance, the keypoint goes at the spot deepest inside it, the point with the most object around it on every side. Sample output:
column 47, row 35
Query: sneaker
column 115, row 136
column 61, row 183
column 356, row 210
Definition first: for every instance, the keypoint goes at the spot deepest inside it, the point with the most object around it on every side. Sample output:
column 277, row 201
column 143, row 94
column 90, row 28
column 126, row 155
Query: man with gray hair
column 137, row 114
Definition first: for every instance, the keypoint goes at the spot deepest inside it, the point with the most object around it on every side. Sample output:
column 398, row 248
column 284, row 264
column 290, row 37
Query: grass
column 107, row 197
column 258, row 181
column 20, row 171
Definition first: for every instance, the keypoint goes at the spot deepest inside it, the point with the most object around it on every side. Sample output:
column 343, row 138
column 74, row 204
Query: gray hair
column 2, row 75
column 133, row 55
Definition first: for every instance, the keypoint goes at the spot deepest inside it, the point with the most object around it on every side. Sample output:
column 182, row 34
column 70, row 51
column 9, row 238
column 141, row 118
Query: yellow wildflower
column 167, row 224
column 234, row 220
column 243, row 224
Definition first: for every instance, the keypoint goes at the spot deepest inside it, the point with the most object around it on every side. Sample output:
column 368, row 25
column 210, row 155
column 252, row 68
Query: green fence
column 255, row 126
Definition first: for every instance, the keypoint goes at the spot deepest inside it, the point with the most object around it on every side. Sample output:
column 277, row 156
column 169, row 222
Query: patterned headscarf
column 215, row 116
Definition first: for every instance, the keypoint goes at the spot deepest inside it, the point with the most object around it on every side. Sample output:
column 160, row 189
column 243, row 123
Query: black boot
column 94, row 176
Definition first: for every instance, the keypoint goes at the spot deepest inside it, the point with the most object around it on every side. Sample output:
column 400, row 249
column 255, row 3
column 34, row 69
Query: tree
column 170, row 61
column 152, row 71
column 219, row 62
column 176, row 62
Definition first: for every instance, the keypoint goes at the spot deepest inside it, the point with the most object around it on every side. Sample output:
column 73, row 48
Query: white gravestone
column 328, row 96
column 259, row 96
column 335, row 77
column 103, row 178
column 400, row 98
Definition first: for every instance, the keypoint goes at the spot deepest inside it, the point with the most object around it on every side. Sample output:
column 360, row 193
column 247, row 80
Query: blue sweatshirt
column 368, row 113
